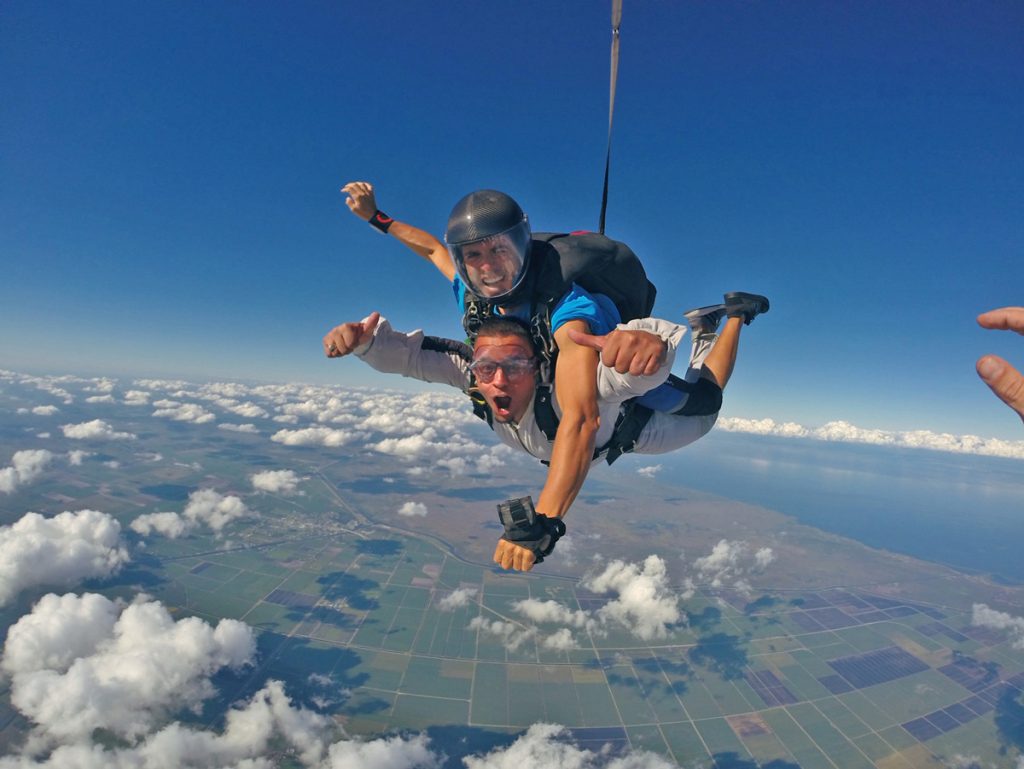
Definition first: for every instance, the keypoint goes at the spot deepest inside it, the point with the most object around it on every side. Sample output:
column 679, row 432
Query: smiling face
column 509, row 392
column 492, row 265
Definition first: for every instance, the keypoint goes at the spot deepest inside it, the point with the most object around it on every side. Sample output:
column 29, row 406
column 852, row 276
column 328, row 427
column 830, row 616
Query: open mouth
column 490, row 282
column 503, row 402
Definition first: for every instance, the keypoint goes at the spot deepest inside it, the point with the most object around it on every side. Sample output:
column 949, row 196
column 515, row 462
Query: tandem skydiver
column 500, row 373
column 488, row 258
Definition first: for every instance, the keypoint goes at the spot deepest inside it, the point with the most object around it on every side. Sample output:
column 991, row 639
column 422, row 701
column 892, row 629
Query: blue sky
column 169, row 178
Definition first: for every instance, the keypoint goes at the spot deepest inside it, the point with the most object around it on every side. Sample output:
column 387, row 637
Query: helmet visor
column 493, row 267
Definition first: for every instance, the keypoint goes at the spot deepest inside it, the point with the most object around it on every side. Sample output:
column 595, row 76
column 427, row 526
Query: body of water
column 961, row 510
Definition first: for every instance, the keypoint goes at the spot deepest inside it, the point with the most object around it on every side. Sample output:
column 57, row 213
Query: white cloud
column 169, row 524
column 205, row 507
column 457, row 599
column 75, row 457
column 845, row 432
column 248, row 410
column 314, row 436
column 183, row 412
column 62, row 550
column 511, row 634
column 275, row 481
column 97, row 429
column 552, row 612
column 983, row 616
column 100, row 399
column 80, row 663
column 729, row 564
column 136, row 398
column 45, row 411
column 25, row 467
column 246, row 428
column 650, row 471
column 644, row 603
column 413, row 509
column 215, row 510
column 549, row 746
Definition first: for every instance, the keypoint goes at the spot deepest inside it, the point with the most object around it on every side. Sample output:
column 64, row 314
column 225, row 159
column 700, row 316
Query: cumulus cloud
column 100, row 399
column 549, row 746
column 205, row 507
column 730, row 563
column 183, row 412
column 983, row 616
column 275, row 481
column 136, row 398
column 45, row 411
column 75, row 457
column 25, row 467
column 845, row 432
column 413, row 509
column 62, row 550
column 543, row 612
column 246, row 428
column 314, row 436
column 215, row 510
column 96, row 430
column 511, row 634
column 457, row 599
column 650, row 471
column 80, row 663
column 169, row 524
column 644, row 602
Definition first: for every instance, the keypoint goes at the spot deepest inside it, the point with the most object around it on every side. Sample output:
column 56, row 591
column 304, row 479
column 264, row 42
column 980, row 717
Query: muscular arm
column 363, row 203
column 573, row 450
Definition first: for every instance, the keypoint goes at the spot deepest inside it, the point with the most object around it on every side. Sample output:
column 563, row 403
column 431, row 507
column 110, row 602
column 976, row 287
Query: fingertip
column 990, row 367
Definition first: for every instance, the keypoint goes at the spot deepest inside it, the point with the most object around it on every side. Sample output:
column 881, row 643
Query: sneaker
column 705, row 320
column 747, row 306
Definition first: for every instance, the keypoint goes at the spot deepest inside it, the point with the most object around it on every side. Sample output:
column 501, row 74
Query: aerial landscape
column 248, row 517
column 353, row 540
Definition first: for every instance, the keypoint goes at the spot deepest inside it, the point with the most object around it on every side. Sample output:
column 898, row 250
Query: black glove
column 528, row 528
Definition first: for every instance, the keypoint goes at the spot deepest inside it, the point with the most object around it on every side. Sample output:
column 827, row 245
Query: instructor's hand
column 361, row 200
column 640, row 353
column 343, row 339
column 509, row 555
column 1006, row 382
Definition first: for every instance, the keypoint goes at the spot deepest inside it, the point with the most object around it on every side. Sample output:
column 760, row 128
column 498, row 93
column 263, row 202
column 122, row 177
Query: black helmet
column 489, row 230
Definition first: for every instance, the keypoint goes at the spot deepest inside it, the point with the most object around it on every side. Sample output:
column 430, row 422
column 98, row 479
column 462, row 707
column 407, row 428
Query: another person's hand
column 1006, row 382
column 361, row 199
column 509, row 555
column 343, row 339
column 640, row 353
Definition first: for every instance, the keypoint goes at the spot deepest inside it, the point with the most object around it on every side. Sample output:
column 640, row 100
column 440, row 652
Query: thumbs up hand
column 343, row 339
column 640, row 353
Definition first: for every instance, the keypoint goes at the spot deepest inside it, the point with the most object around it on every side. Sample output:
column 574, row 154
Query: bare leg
column 719, row 363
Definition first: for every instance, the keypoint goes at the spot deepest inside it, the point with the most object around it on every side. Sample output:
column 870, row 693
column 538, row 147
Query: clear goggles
column 515, row 369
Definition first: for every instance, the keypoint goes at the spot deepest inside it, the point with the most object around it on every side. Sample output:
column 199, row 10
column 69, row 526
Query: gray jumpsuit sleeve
column 413, row 355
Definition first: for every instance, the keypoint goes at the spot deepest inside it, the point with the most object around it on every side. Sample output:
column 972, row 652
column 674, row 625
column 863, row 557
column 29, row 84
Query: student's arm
column 363, row 203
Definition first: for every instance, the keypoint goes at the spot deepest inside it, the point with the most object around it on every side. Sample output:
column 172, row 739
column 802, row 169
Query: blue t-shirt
column 599, row 312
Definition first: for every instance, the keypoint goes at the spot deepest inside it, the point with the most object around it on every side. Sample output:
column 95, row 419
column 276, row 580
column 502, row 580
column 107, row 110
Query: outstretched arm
column 363, row 203
column 429, row 359
column 1006, row 382
column 573, row 450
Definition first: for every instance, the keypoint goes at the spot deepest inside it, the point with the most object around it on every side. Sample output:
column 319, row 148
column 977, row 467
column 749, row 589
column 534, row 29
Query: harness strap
column 631, row 422
column 544, row 412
